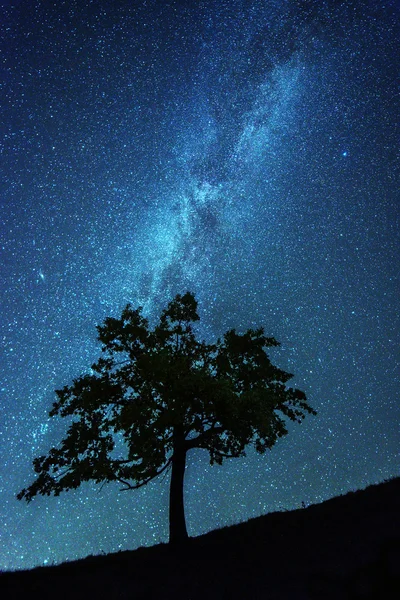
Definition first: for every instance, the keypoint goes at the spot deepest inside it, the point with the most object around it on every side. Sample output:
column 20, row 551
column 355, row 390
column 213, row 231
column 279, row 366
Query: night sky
column 245, row 150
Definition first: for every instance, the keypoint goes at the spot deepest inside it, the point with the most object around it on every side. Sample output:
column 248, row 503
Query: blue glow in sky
column 246, row 151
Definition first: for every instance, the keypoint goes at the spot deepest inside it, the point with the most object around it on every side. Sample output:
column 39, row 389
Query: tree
column 155, row 394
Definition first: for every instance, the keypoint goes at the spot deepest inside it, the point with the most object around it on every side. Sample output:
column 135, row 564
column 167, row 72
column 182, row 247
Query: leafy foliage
column 150, row 384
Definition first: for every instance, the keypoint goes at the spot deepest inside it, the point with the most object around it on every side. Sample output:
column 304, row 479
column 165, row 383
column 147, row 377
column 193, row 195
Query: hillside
column 345, row 548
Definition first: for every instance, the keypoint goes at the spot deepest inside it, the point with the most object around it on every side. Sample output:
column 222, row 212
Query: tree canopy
column 156, row 393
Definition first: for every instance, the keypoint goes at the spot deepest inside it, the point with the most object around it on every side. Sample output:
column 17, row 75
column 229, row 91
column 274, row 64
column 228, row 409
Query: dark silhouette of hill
column 347, row 547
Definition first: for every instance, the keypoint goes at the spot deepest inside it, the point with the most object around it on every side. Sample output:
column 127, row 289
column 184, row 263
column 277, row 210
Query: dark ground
column 345, row 548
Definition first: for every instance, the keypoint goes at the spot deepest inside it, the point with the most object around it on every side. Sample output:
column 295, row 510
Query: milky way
column 246, row 151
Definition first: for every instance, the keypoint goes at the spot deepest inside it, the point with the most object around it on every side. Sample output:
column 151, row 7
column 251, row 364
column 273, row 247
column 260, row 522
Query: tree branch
column 129, row 486
column 224, row 455
column 198, row 441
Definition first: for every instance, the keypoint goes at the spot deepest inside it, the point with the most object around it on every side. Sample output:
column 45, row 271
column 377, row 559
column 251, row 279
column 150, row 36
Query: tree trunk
column 177, row 523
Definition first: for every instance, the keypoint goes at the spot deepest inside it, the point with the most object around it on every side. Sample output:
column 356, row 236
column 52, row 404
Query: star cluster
column 247, row 151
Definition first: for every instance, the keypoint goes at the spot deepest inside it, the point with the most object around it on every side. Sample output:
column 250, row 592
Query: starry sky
column 245, row 150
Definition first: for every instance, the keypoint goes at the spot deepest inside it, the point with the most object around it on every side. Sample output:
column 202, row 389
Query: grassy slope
column 346, row 547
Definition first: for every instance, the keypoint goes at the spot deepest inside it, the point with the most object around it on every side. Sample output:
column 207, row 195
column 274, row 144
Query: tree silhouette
column 157, row 393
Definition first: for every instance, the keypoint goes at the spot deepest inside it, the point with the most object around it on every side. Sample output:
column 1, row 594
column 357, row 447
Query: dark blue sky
column 245, row 150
